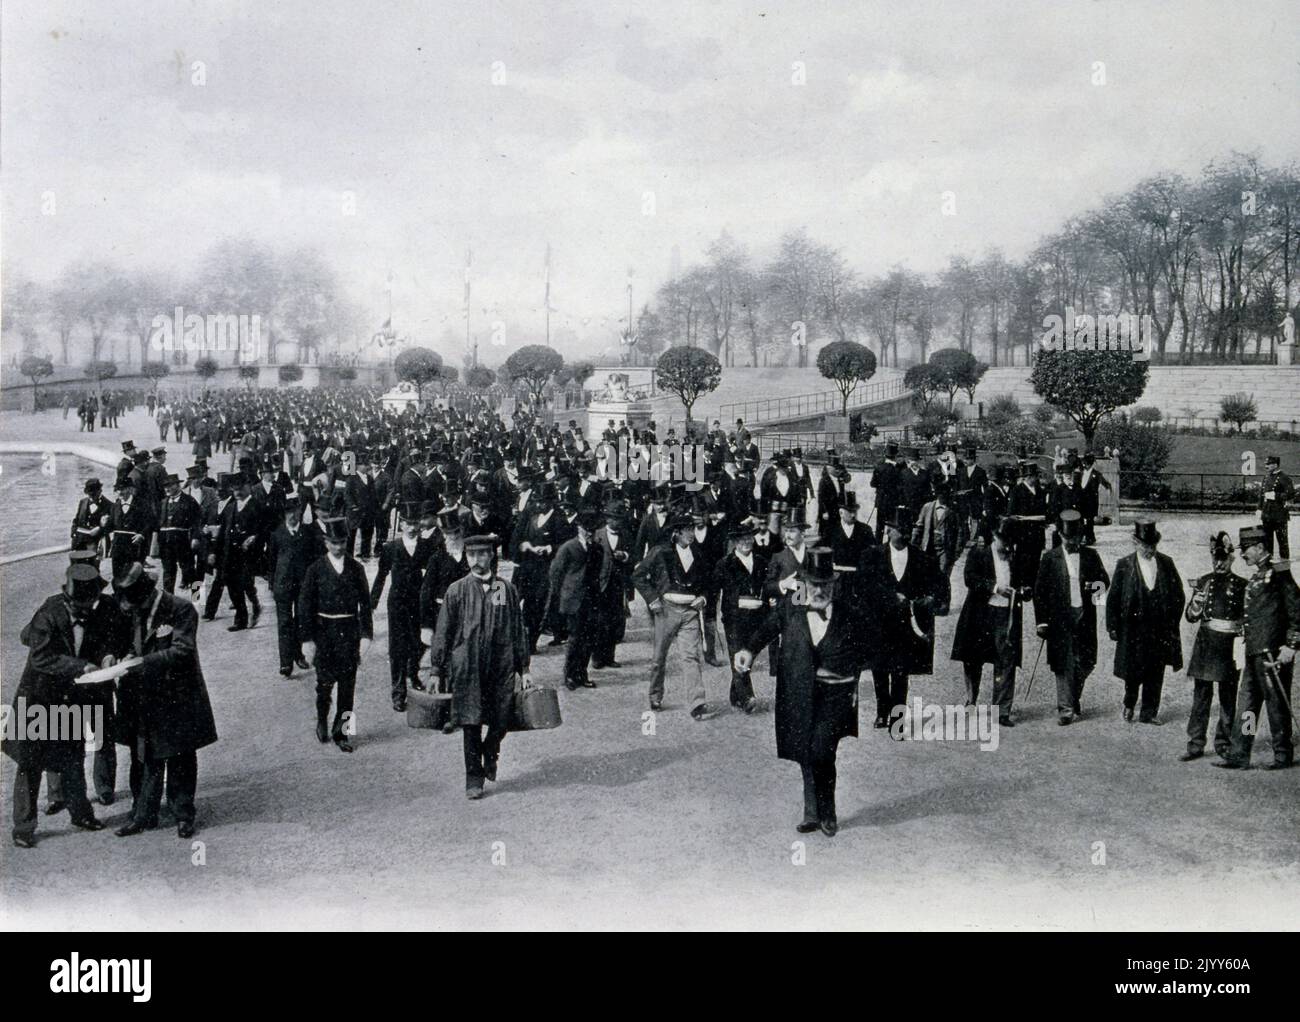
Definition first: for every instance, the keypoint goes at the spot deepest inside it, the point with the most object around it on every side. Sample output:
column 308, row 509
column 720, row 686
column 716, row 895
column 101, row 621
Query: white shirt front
column 1001, row 578
column 1148, row 569
column 335, row 563
column 817, row 626
column 685, row 556
column 410, row 545
column 612, row 539
column 898, row 561
column 1072, row 565
column 747, row 560
column 797, row 552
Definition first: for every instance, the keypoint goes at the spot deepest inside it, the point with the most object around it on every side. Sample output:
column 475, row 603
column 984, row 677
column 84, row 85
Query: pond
column 38, row 498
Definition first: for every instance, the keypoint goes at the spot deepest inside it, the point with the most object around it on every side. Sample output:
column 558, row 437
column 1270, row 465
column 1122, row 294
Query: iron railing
column 1190, row 491
column 829, row 401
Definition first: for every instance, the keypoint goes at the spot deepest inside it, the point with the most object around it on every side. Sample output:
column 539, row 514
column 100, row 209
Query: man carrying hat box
column 72, row 633
column 163, row 713
column 336, row 627
column 741, row 577
column 1143, row 611
column 1216, row 607
column 1271, row 634
column 672, row 581
column 405, row 558
column 1070, row 582
column 480, row 645
column 1276, row 494
column 292, row 550
column 817, row 684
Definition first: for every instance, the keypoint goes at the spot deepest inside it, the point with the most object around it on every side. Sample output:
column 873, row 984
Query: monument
column 625, row 395
column 401, row 397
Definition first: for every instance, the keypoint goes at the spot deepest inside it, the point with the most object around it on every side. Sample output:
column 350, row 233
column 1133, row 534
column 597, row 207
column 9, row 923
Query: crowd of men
column 316, row 483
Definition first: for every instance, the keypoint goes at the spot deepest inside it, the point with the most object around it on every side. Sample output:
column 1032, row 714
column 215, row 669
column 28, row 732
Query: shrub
column 1144, row 453
column 1147, row 415
column 1002, row 409
column 1239, row 409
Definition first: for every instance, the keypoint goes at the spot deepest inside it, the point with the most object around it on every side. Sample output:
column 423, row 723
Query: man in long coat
column 817, row 685
column 71, row 633
column 163, row 711
column 741, row 578
column 1143, row 611
column 404, row 558
column 533, row 547
column 989, row 627
column 1217, row 608
column 1071, row 578
column 480, row 645
column 294, row 547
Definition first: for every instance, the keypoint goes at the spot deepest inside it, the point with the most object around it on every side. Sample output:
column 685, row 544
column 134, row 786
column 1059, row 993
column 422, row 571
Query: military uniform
column 1217, row 607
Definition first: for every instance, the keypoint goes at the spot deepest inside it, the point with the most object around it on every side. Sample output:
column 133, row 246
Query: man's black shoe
column 1282, row 764
column 106, row 798
column 1006, row 722
column 588, row 683
column 322, row 732
column 285, row 671
column 1231, row 764
column 556, row 642
column 209, row 617
column 752, row 705
column 89, row 823
column 572, row 685
column 257, row 613
column 807, row 826
column 830, row 827
column 236, row 627
column 185, row 829
column 54, row 808
column 417, row 684
column 655, row 703
column 342, row 742
column 1149, row 720
column 130, row 829
column 701, row 712
column 490, row 769
column 24, row 841
column 399, row 705
column 880, row 722
column 1128, row 713
column 302, row 664
column 1188, row 756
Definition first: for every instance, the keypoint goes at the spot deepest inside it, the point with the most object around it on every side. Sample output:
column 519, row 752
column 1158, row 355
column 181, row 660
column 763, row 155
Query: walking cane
column 1030, row 687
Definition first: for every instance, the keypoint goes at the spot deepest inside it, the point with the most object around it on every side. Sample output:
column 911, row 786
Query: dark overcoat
column 1145, row 623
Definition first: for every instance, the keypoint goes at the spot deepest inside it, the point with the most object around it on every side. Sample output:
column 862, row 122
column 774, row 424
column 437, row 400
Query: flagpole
column 548, row 294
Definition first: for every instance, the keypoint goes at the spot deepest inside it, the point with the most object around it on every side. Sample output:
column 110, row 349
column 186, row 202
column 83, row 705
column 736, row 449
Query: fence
column 1190, row 491
column 800, row 405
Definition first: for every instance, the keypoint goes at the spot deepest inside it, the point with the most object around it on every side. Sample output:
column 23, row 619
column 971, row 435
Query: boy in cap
column 480, row 645
column 336, row 627
column 1143, row 611
column 1216, row 607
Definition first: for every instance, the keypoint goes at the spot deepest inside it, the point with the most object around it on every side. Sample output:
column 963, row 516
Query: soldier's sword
column 1271, row 670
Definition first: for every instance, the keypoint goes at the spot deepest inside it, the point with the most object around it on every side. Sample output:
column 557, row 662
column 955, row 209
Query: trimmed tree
column 958, row 370
column 925, row 382
column 155, row 371
column 99, row 372
column 290, row 372
column 1088, row 385
column 533, row 365
column 1239, row 409
column 480, row 378
column 690, row 373
column 36, row 368
column 419, row 366
column 206, row 368
column 846, row 364
column 249, row 374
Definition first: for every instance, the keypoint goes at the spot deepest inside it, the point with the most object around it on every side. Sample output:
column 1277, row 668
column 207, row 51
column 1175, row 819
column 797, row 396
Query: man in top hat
column 817, row 684
column 711, row 538
column 156, row 472
column 937, row 531
column 990, row 625
column 131, row 523
column 72, row 633
column 362, row 506
column 1027, row 506
column 533, row 547
column 574, row 587
column 784, row 564
column 997, row 499
column 915, row 484
column 779, row 483
column 1090, row 484
column 292, row 550
column 974, row 480
column 906, row 590
column 180, row 529
column 803, row 476
column 94, row 512
column 653, row 530
column 1069, row 583
column 672, row 581
column 1217, row 607
column 1275, row 495
column 163, row 713
column 480, row 645
column 614, row 590
column 127, row 461
column 845, row 535
column 741, row 578
column 234, row 554
column 1271, row 631
column 831, row 493
column 405, row 557
column 336, row 626
column 885, row 480
column 446, row 564
column 479, row 519
column 1143, row 612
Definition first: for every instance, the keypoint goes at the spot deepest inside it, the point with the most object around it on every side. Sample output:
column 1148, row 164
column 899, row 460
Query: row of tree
column 1213, row 261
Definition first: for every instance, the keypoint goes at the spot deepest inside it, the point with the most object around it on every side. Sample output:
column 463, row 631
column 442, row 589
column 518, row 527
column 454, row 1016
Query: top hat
column 171, row 477
column 139, row 457
column 410, row 510
column 292, row 502
column 128, row 446
column 93, row 485
column 485, row 540
column 1220, row 545
column 679, row 519
column 448, row 518
column 850, row 501
column 900, row 518
column 794, row 519
column 428, row 507
column 336, row 529
column 818, row 566
column 1250, row 535
column 1272, row 459
column 891, row 449
column 227, row 480
column 131, row 580
column 194, row 472
column 796, row 452
column 1028, row 468
column 589, row 520
column 84, row 581
column 747, row 527
column 124, row 483
column 1070, row 523
column 1144, row 530
column 912, row 453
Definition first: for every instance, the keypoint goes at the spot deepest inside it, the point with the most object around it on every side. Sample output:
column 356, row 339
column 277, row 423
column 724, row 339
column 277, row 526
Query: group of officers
column 585, row 537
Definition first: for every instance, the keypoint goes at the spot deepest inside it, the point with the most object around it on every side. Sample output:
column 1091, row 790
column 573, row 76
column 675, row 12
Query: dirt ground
column 602, row 824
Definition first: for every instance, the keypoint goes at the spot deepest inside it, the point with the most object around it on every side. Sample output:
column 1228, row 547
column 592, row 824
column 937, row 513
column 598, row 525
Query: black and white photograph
column 619, row 466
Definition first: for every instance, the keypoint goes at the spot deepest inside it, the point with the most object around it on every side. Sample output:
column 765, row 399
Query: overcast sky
column 601, row 103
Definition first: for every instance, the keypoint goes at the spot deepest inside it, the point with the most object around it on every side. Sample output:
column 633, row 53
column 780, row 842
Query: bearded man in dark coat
column 817, row 685
column 480, row 645
column 989, row 627
column 163, row 713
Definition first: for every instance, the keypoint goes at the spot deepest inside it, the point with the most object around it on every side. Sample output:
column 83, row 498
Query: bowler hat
column 93, row 485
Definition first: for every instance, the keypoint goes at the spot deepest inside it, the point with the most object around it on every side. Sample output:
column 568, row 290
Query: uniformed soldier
column 1272, row 632
column 1216, row 607
column 1275, row 495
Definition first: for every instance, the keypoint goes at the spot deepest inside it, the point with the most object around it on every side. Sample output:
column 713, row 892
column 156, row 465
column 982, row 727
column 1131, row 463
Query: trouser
column 327, row 677
column 1069, row 688
column 1089, row 533
column 577, row 656
column 610, row 625
column 170, row 563
column 1004, row 685
column 242, row 589
column 819, row 769
column 1258, row 688
column 27, row 785
column 711, row 623
column 404, row 647
column 1198, row 722
column 670, row 621
column 891, row 693
column 381, row 528
column 366, row 528
column 286, row 629
column 742, row 684
column 179, row 430
column 1147, row 682
column 162, row 431
column 480, row 751
column 1278, row 529
column 179, row 774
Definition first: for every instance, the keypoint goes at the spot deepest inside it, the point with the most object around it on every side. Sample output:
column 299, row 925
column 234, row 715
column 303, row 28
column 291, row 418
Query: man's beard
column 482, row 572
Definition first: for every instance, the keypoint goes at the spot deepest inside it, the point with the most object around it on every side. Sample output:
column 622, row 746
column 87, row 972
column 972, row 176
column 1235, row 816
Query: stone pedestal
column 633, row 414
column 1285, row 353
